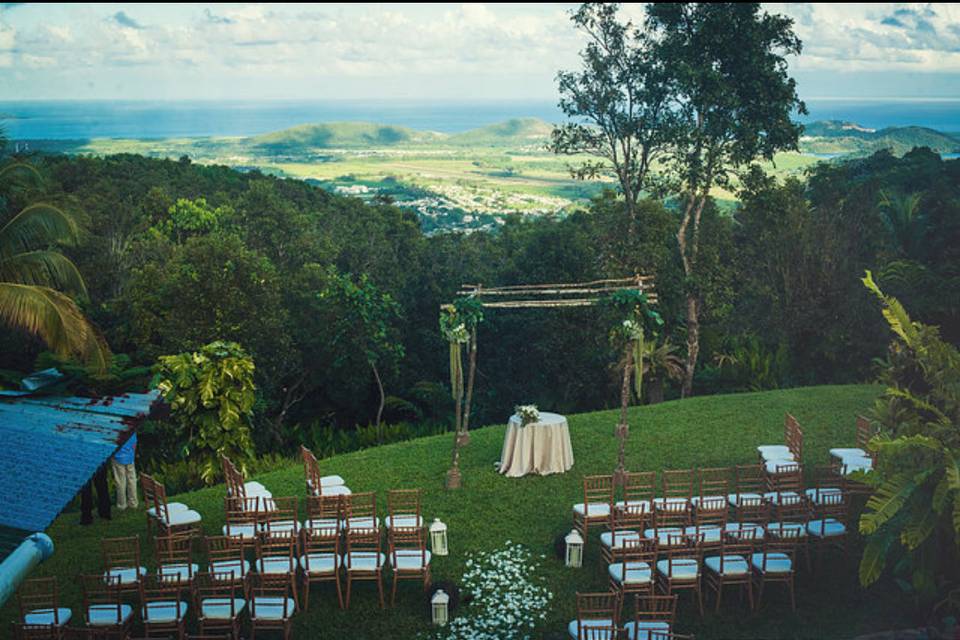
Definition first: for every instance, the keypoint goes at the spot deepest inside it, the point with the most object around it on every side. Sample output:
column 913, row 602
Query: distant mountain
column 342, row 135
column 517, row 131
column 838, row 137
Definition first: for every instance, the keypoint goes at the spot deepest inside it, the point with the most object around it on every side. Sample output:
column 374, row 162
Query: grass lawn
column 490, row 509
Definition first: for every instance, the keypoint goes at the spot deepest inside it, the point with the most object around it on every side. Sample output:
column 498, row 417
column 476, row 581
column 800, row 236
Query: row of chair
column 847, row 459
column 598, row 618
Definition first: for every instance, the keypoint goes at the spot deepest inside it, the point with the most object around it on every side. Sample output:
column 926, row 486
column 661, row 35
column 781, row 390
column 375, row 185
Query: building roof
column 51, row 446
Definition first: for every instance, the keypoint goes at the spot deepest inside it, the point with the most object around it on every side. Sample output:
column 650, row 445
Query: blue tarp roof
column 50, row 446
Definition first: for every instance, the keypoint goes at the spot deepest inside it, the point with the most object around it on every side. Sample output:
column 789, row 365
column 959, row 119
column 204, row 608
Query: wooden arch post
column 540, row 296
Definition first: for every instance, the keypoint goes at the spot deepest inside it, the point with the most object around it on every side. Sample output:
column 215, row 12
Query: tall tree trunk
column 453, row 475
column 689, row 248
column 693, row 344
column 376, row 375
column 623, row 428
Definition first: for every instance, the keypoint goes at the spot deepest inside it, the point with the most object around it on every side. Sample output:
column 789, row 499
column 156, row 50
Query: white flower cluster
column 508, row 598
column 632, row 328
column 528, row 413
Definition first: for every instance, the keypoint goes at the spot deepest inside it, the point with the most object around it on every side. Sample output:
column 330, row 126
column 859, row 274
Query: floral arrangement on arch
column 528, row 414
column 509, row 598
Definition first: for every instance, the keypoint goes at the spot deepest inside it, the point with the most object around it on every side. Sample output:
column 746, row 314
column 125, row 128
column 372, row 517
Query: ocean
column 79, row 120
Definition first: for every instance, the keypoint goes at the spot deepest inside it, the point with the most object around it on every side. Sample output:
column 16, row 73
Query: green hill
column 342, row 135
column 710, row 431
column 517, row 131
column 837, row 137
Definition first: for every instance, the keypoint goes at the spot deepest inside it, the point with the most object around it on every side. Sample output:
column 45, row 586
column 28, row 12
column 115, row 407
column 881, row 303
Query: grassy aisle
column 708, row 431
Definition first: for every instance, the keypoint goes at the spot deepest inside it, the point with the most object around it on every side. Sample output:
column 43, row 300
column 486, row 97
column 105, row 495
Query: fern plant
column 912, row 518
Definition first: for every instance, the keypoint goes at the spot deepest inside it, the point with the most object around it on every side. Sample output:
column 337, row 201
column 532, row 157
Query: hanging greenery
column 455, row 332
column 641, row 321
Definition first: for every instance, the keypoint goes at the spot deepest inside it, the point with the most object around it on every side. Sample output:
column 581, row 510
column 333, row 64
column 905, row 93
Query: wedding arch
column 459, row 322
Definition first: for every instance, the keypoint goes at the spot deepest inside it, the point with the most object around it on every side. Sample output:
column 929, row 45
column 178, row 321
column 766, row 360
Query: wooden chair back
column 360, row 511
column 403, row 505
column 598, row 606
column 226, row 557
column 655, row 608
column 362, row 541
column 42, row 594
column 794, row 437
column 324, row 513
column 636, row 550
column 678, row 483
column 279, row 515
column 598, row 490
column 713, row 482
column 174, row 549
column 102, row 593
column 121, row 553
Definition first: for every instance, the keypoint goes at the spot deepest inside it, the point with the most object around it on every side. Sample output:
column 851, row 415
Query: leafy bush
column 211, row 395
column 912, row 520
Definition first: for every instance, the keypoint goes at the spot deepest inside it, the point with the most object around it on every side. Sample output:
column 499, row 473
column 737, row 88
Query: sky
column 417, row 51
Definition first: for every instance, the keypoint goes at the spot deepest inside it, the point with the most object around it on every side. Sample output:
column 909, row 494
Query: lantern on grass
column 439, row 608
column 574, row 556
column 438, row 538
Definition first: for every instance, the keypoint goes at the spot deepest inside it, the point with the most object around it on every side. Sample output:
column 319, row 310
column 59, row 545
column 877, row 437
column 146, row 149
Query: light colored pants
column 125, row 476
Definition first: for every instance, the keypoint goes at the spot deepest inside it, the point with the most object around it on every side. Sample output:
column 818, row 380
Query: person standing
column 125, row 474
column 99, row 480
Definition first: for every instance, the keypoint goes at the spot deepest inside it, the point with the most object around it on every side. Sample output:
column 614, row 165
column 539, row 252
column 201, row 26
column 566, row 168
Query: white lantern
column 438, row 538
column 574, row 555
column 439, row 607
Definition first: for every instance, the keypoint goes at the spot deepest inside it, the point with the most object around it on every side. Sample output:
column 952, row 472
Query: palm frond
column 896, row 316
column 886, row 502
column 39, row 224
column 11, row 168
column 874, row 558
column 55, row 319
column 43, row 268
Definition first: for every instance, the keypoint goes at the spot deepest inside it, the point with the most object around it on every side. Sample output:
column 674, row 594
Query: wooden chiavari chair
column 598, row 616
column 237, row 485
column 670, row 520
column 280, row 517
column 680, row 569
column 404, row 508
column 161, row 607
column 277, row 556
column 271, row 605
column 597, row 503
column 408, row 556
column 324, row 513
column 219, row 599
column 827, row 480
column 104, row 611
column 317, row 484
column 226, row 560
column 653, row 617
column 360, row 512
column 242, row 520
column 710, row 516
column 830, row 525
column 363, row 560
column 321, row 560
column 174, row 556
column 632, row 565
column 172, row 520
column 122, row 562
column 677, row 488
column 38, row 601
column 731, row 566
column 750, row 484
column 148, row 485
column 776, row 562
column 630, row 516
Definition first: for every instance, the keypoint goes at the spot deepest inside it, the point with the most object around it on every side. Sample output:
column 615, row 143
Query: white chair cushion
column 659, row 502
column 735, row 499
column 663, row 534
column 127, row 575
column 181, row 518
column 46, row 616
column 363, row 561
column 282, row 526
column 183, row 572
column 683, row 568
column 735, row 528
column 775, row 450
column 818, row 495
column 711, row 533
column 776, row 562
column 595, row 510
column 774, row 528
column 276, row 565
column 732, row 565
column 647, row 630
column 783, row 498
column 616, row 539
column 410, row 560
column 634, row 507
column 320, row 563
column 219, row 608
column 856, row 463
column 848, row 452
column 826, row 528
column 323, row 525
column 636, row 572
column 780, row 465
column 171, row 507
column 574, row 629
column 366, row 522
column 238, row 568
column 163, row 611
column 328, row 481
column 271, row 608
column 104, row 615
column 333, row 490
column 242, row 531
column 709, row 503
column 408, row 520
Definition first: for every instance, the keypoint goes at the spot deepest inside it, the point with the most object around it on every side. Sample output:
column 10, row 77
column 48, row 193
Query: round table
column 541, row 447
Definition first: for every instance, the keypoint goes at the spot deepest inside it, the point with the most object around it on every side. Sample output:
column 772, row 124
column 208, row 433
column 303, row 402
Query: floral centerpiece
column 509, row 596
column 528, row 414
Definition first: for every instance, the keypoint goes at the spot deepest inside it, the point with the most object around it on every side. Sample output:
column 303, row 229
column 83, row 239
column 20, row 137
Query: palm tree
column 37, row 281
column 904, row 221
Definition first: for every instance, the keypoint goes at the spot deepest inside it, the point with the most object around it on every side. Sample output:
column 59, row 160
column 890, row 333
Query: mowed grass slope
column 490, row 509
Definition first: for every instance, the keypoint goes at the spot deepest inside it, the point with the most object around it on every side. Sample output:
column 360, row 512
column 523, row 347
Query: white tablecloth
column 541, row 447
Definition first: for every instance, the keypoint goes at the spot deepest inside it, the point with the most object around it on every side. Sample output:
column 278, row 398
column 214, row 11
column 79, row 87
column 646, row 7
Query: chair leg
column 349, row 589
column 339, row 592
column 719, row 594
column 306, row 594
column 699, row 591
column 380, row 590
column 393, row 591
column 793, row 602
